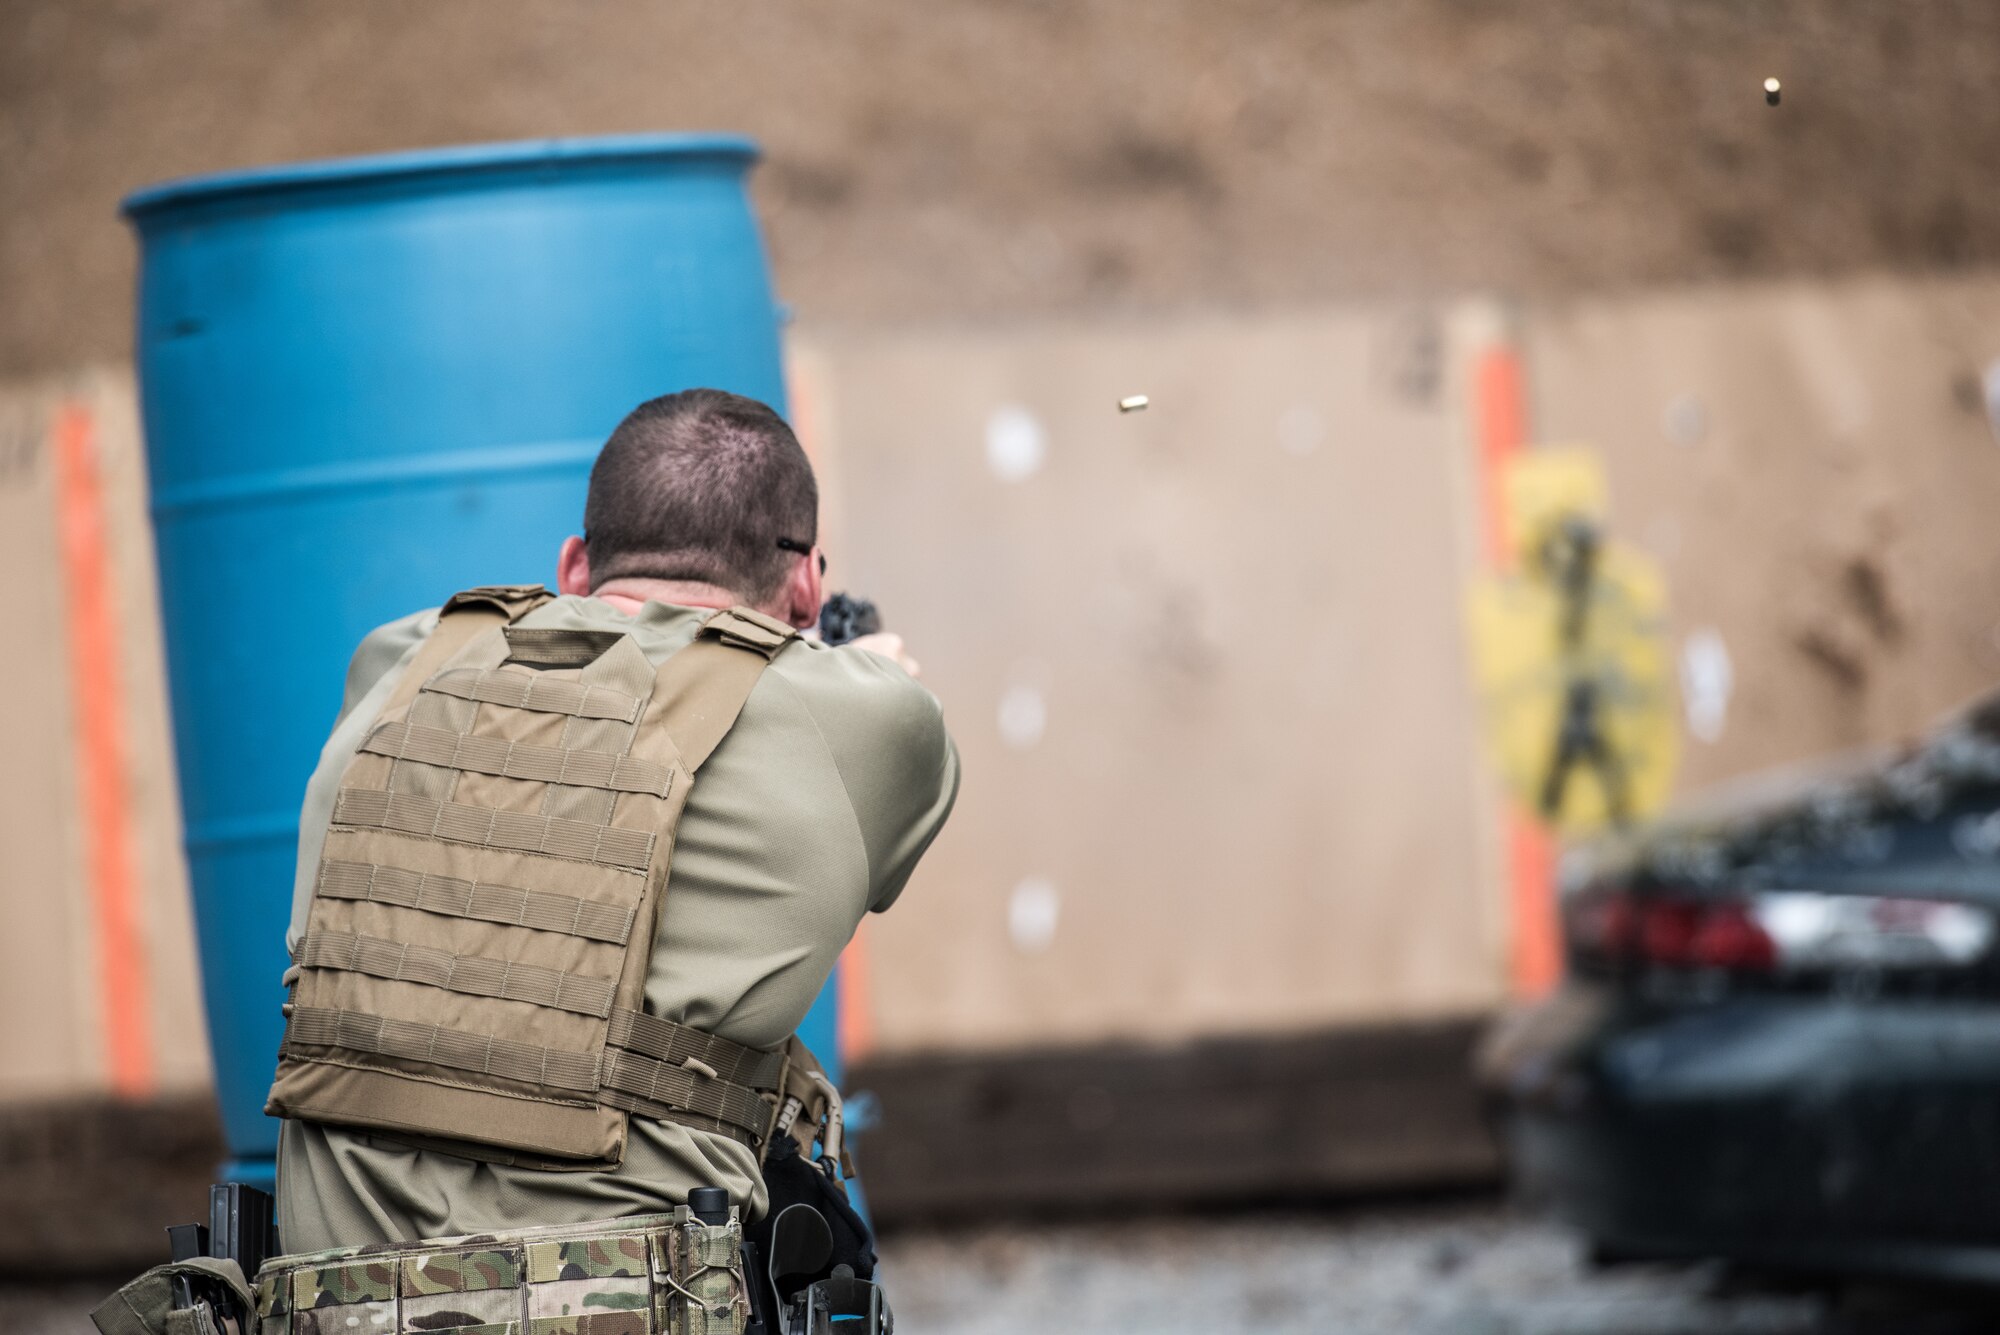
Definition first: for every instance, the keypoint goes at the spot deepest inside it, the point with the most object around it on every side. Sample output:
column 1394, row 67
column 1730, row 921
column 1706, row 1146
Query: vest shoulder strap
column 701, row 689
column 745, row 628
column 511, row 601
column 461, row 620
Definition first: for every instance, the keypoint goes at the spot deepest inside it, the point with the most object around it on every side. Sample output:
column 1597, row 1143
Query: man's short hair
column 701, row 486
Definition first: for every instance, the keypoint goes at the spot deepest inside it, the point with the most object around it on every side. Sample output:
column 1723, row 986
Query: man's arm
column 896, row 759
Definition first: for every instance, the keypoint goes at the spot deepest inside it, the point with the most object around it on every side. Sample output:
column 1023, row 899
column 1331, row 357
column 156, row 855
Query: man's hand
column 890, row 646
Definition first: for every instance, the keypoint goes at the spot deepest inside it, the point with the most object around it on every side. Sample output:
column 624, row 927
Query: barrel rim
column 149, row 201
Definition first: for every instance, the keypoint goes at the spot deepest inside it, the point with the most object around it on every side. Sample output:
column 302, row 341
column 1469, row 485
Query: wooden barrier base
column 1123, row 1127
column 88, row 1186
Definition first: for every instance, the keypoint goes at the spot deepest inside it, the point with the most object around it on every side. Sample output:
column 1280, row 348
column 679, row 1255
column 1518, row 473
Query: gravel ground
column 1411, row 1270
column 1448, row 1269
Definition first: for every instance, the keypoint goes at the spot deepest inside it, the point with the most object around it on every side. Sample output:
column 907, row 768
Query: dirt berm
column 979, row 158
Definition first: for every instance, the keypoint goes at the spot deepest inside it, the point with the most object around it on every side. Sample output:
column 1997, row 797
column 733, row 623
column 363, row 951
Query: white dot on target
column 1300, row 429
column 1016, row 444
column 1024, row 715
column 1032, row 912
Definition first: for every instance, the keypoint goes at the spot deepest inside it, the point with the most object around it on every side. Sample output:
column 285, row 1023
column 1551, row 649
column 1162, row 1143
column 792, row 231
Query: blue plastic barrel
column 366, row 384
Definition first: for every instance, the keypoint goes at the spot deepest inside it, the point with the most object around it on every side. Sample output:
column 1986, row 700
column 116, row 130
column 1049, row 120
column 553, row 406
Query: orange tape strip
column 855, row 1024
column 101, row 760
column 1531, row 865
column 1503, row 432
column 1535, row 950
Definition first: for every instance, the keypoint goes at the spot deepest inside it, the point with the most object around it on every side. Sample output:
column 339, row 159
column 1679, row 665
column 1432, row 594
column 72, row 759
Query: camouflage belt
column 652, row 1275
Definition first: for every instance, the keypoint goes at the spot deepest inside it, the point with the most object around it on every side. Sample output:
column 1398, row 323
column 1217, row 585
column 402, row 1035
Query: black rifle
column 844, row 617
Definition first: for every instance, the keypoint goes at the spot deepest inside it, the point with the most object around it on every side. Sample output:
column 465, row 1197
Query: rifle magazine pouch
column 473, row 966
column 708, row 1294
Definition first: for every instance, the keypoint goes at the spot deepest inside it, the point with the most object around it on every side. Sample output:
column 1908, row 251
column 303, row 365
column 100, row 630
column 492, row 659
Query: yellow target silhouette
column 1570, row 654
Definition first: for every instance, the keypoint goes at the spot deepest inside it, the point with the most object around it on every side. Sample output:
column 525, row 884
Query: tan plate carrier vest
column 473, row 970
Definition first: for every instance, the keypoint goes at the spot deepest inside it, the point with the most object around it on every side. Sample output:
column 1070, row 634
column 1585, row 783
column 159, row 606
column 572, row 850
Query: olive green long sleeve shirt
column 813, row 811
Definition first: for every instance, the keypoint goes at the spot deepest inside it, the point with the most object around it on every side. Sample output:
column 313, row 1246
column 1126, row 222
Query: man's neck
column 629, row 595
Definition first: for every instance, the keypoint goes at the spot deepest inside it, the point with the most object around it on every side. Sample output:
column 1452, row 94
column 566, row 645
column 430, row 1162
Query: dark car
column 1779, row 1038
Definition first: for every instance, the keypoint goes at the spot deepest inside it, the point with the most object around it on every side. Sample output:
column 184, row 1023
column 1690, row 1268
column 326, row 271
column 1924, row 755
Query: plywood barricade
column 1204, row 664
column 97, row 965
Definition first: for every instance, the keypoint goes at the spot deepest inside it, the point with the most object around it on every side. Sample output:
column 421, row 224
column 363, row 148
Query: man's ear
column 573, row 568
column 802, row 591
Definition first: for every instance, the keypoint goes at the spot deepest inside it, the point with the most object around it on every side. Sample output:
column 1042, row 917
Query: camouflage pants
column 656, row 1275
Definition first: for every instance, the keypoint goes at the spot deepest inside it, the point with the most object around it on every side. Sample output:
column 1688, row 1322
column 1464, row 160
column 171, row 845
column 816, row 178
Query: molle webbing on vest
column 486, row 1054
column 482, row 826
column 473, row 975
column 512, row 689
column 455, row 898
column 517, row 760
column 473, row 968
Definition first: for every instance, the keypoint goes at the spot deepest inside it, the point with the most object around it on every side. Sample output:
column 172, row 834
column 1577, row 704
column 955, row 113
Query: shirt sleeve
column 381, row 656
column 897, row 761
column 371, row 679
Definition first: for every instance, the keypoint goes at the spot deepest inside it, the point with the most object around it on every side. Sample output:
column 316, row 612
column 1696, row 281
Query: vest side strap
column 660, row 1112
column 666, row 1041
column 655, row 1089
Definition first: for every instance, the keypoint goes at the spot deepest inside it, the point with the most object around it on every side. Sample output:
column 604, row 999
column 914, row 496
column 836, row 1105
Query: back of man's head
column 701, row 486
